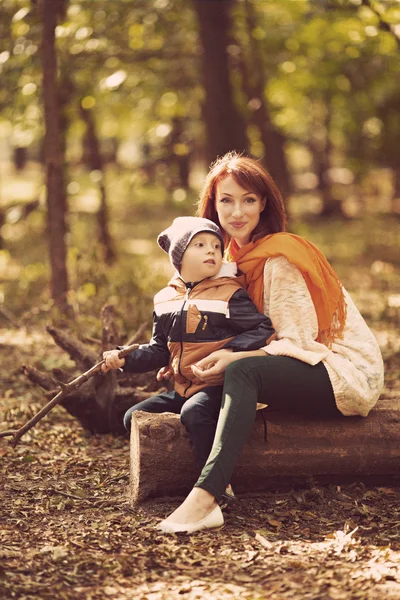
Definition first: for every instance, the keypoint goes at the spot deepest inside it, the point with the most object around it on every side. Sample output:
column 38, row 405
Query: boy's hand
column 112, row 361
column 165, row 373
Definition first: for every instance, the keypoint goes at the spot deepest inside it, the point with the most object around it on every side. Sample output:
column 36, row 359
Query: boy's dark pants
column 199, row 415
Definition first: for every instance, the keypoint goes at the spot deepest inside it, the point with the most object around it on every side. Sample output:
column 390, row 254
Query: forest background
column 110, row 114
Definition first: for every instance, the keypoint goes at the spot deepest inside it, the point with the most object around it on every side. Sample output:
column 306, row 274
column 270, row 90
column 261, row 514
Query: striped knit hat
column 177, row 237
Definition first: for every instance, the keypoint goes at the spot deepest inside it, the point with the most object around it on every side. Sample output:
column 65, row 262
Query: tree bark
column 96, row 163
column 295, row 449
column 322, row 147
column 84, row 356
column 54, row 156
column 105, row 385
column 254, row 86
column 225, row 127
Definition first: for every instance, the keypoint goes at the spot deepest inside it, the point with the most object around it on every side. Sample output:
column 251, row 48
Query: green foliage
column 136, row 66
column 364, row 253
column 147, row 71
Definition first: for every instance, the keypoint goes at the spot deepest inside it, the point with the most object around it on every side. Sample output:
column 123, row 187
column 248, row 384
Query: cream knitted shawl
column 354, row 363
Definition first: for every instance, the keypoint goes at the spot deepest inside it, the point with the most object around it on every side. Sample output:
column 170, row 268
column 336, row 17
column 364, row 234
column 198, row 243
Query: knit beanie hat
column 177, row 237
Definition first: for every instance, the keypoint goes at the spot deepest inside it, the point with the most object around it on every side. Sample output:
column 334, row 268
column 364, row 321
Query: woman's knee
column 242, row 379
column 237, row 371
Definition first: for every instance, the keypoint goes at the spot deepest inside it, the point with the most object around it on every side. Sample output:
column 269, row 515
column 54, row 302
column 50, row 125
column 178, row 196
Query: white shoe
column 214, row 519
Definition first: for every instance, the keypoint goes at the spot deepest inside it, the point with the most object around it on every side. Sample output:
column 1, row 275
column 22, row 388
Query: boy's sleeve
column 149, row 356
column 254, row 330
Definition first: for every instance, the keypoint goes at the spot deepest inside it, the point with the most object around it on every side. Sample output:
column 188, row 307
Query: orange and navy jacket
column 191, row 320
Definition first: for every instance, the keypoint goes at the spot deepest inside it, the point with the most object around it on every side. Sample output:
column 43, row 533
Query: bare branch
column 67, row 389
column 79, row 352
column 9, row 316
column 384, row 25
column 137, row 335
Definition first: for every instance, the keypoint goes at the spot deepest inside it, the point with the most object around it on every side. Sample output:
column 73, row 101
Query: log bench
column 296, row 448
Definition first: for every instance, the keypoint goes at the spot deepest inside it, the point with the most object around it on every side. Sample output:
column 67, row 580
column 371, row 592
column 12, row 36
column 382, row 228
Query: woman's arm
column 288, row 302
column 210, row 369
column 290, row 306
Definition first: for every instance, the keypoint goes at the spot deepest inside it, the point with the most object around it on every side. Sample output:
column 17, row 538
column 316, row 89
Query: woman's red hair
column 251, row 176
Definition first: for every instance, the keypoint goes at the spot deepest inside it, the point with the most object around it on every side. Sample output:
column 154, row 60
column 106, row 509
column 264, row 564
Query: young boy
column 204, row 308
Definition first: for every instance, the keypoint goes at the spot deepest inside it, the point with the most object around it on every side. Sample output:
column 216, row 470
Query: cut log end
column 135, row 492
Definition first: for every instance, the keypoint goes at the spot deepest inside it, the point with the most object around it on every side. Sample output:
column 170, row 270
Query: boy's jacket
column 193, row 320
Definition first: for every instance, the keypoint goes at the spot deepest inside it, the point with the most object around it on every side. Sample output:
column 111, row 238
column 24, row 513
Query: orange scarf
column 322, row 282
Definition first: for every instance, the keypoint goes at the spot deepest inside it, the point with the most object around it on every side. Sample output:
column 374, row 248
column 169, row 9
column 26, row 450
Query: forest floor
column 67, row 530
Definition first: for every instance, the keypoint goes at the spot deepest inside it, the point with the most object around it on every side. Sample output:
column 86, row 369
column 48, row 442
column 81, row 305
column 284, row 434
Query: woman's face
column 238, row 209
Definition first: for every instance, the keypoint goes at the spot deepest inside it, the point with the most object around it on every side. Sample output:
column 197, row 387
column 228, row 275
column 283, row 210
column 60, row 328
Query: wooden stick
column 65, row 390
column 9, row 316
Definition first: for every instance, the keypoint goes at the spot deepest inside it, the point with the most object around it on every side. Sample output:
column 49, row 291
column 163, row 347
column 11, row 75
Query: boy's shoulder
column 173, row 290
column 229, row 278
column 221, row 288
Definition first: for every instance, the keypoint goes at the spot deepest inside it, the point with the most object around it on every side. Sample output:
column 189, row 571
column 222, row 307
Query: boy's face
column 202, row 258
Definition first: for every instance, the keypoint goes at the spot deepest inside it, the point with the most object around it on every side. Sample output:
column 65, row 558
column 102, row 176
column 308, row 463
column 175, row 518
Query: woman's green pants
column 283, row 383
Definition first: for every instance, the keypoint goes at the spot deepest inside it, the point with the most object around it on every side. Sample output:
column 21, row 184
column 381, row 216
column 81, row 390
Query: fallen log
column 296, row 448
column 65, row 390
column 40, row 378
column 100, row 404
column 83, row 356
column 83, row 403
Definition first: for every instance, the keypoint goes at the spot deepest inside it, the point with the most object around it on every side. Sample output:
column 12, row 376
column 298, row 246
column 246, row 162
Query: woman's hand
column 112, row 361
column 212, row 369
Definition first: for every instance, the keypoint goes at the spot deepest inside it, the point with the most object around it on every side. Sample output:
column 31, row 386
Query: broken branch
column 67, row 389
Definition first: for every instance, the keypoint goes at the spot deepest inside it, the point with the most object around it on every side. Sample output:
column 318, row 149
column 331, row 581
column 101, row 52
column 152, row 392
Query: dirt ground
column 68, row 531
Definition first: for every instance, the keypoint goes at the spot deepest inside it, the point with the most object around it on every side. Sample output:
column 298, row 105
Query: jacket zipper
column 182, row 332
column 190, row 288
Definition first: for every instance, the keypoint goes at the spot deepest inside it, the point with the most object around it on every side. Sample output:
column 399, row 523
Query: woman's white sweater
column 354, row 363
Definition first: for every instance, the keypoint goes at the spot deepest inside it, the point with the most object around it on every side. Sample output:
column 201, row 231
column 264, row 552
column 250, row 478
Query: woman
column 325, row 360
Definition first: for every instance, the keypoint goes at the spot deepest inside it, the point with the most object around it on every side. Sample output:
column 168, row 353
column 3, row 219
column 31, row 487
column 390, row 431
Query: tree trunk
column 54, row 156
column 96, row 163
column 321, row 143
column 295, row 448
column 225, row 127
column 179, row 139
column 20, row 158
column 254, row 85
column 106, row 384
